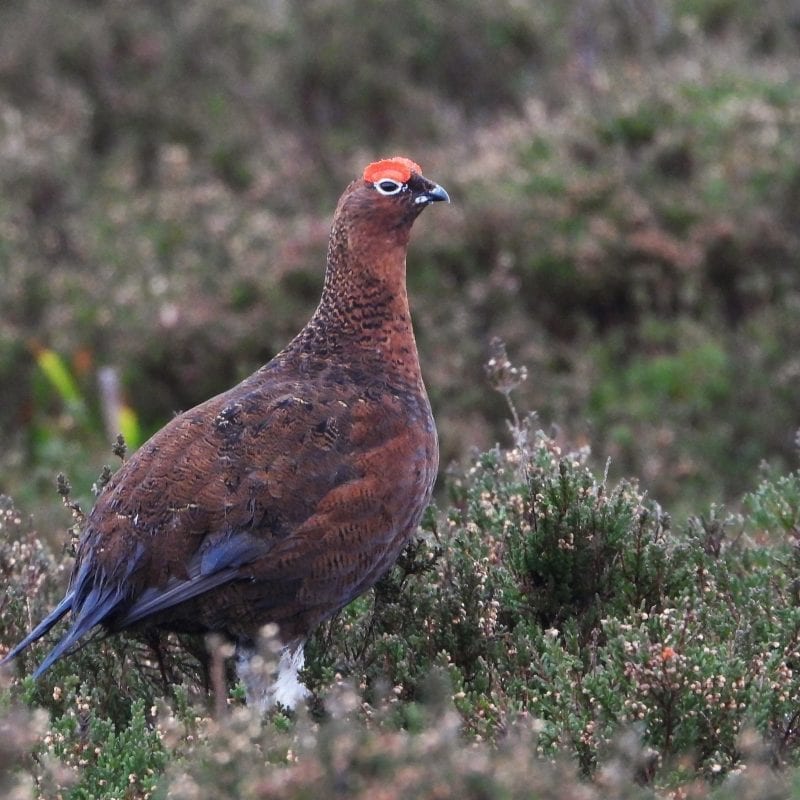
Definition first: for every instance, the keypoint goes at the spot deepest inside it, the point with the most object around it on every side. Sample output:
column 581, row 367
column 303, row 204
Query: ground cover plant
column 547, row 622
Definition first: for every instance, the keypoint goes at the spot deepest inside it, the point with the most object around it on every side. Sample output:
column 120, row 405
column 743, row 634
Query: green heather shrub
column 546, row 623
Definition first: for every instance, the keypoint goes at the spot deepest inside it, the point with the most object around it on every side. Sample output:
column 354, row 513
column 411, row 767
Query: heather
column 604, row 603
column 549, row 630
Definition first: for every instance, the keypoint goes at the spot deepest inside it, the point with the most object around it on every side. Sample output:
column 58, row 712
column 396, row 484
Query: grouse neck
column 363, row 314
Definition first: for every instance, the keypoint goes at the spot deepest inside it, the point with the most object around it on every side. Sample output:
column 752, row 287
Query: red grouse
column 282, row 499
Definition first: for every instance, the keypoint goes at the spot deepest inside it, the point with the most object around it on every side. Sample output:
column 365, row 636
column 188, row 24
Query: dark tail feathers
column 42, row 628
column 97, row 605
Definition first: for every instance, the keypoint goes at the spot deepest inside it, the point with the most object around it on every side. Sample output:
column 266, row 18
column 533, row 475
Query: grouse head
column 401, row 182
column 384, row 202
column 367, row 248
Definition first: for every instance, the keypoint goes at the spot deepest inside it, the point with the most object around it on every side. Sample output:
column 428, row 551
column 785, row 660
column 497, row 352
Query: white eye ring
column 387, row 186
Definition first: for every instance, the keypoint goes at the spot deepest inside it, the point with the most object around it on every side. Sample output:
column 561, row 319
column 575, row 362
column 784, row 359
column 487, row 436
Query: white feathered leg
column 264, row 687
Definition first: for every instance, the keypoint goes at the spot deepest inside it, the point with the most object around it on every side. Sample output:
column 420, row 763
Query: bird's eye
column 387, row 186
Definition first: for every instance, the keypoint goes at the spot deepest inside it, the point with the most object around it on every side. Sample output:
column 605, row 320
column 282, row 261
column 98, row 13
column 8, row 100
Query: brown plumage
column 290, row 494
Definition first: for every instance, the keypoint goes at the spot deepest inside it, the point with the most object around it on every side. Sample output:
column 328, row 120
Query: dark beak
column 433, row 195
column 438, row 193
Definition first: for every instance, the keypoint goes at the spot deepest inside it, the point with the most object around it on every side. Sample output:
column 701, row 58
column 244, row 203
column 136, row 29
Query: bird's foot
column 265, row 687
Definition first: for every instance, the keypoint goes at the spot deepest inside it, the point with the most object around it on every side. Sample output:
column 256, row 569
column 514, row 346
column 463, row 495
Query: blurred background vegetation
column 626, row 216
